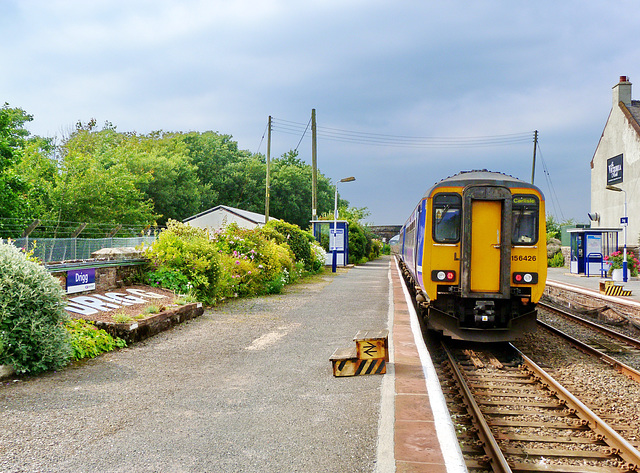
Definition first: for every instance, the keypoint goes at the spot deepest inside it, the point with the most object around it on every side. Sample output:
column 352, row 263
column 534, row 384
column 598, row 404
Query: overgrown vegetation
column 185, row 260
column 232, row 262
column 88, row 341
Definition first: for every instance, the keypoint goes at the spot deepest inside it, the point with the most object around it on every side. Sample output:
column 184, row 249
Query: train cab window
column 524, row 228
column 446, row 218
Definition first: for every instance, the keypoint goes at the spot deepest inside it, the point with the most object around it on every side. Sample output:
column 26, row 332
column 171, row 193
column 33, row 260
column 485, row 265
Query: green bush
column 171, row 279
column 186, row 250
column 376, row 249
column 31, row 315
column 87, row 341
column 298, row 240
column 556, row 261
column 358, row 243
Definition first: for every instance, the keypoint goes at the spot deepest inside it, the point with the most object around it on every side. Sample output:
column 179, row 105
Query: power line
column 554, row 197
column 379, row 139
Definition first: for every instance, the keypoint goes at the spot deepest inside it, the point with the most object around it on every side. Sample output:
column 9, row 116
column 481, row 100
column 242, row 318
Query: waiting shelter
column 589, row 246
column 323, row 230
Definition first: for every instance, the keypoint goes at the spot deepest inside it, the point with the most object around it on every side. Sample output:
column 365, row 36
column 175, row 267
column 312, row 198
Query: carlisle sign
column 614, row 170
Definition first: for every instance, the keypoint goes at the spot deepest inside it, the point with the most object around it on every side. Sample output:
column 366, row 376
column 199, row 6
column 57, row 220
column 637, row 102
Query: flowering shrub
column 185, row 251
column 245, row 262
column 616, row 258
column 250, row 261
column 299, row 241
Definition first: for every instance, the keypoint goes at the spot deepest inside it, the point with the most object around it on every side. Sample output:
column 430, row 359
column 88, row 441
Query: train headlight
column 525, row 278
column 443, row 275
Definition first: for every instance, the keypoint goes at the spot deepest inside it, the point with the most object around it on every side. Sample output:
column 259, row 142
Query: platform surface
column 248, row 386
column 563, row 276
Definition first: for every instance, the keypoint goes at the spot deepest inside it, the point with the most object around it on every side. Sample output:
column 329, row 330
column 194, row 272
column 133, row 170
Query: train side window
column 446, row 218
column 524, row 228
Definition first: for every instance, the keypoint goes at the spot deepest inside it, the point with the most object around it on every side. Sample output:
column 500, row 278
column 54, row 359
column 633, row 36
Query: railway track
column 513, row 416
column 615, row 348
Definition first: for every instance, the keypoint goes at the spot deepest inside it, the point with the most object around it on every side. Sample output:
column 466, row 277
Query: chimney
column 622, row 92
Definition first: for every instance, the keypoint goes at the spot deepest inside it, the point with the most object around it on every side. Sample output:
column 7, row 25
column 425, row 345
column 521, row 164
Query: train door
column 485, row 245
column 486, row 242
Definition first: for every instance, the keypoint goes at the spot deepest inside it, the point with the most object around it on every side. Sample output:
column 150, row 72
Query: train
column 474, row 255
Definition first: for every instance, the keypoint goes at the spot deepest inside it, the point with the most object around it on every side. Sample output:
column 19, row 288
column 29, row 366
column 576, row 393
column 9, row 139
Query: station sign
column 624, row 221
column 80, row 280
column 615, row 170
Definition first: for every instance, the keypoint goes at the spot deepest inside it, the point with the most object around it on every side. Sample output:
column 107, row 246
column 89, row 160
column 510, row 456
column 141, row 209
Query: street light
column 335, row 224
column 624, row 228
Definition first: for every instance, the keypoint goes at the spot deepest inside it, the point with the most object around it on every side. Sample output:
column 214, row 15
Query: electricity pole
column 266, row 200
column 314, row 164
column 535, row 145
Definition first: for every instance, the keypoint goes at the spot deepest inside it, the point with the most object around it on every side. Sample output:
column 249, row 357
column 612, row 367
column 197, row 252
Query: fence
column 69, row 249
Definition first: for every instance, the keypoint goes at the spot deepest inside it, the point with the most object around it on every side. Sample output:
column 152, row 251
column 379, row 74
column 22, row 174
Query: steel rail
column 618, row 365
column 612, row 333
column 490, row 445
column 624, row 449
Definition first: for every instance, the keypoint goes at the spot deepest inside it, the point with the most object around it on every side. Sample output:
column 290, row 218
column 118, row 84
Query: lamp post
column 335, row 224
column 624, row 228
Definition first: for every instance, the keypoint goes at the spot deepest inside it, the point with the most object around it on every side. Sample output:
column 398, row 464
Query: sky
column 406, row 93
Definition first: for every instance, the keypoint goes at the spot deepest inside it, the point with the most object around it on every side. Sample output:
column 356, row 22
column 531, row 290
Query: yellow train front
column 474, row 251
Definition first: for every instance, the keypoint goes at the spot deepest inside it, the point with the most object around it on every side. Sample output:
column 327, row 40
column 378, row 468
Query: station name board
column 614, row 170
column 81, row 280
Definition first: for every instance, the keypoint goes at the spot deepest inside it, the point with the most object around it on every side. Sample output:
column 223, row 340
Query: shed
column 222, row 215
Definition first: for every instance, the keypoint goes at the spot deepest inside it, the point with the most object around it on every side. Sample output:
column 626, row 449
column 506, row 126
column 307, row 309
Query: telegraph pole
column 314, row 164
column 266, row 200
column 535, row 145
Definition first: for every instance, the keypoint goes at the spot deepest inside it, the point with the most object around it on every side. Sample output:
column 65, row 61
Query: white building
column 616, row 164
column 221, row 216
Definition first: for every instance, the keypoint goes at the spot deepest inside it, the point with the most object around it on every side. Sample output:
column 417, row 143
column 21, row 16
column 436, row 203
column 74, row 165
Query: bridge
column 385, row 231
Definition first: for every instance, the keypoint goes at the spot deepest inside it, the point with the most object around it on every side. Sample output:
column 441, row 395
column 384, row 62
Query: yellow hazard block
column 372, row 344
column 610, row 288
column 346, row 363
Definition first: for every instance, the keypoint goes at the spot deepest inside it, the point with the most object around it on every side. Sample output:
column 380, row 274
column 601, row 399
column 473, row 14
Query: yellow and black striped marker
column 346, row 363
column 613, row 289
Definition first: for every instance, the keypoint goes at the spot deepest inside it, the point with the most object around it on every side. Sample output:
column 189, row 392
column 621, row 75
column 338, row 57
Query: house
column 221, row 216
column 615, row 167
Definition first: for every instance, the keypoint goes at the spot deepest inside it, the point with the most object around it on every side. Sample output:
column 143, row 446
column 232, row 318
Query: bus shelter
column 589, row 246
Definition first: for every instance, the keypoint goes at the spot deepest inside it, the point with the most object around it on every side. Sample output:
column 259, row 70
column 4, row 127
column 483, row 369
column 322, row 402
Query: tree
column 211, row 153
column 95, row 183
column 14, row 189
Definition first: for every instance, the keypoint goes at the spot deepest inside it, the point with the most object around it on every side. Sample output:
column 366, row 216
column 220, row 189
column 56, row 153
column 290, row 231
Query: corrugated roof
column 246, row 214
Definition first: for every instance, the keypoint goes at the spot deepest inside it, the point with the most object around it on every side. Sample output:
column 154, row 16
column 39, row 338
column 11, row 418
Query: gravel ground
column 586, row 335
column 610, row 394
column 247, row 387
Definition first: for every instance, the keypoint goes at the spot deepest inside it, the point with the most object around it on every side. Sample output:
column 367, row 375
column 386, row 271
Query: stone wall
column 111, row 277
column 579, row 301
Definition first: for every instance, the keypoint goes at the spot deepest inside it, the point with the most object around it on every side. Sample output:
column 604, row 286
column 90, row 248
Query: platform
column 424, row 437
column 561, row 276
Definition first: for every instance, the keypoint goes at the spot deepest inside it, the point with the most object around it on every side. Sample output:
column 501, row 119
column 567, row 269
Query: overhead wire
column 262, row 139
column 378, row 139
column 303, row 134
column 554, row 197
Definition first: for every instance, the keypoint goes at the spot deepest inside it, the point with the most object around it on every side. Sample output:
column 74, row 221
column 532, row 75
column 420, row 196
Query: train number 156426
column 523, row 257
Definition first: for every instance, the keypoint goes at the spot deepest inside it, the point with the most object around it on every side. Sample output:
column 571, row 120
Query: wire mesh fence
column 69, row 249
